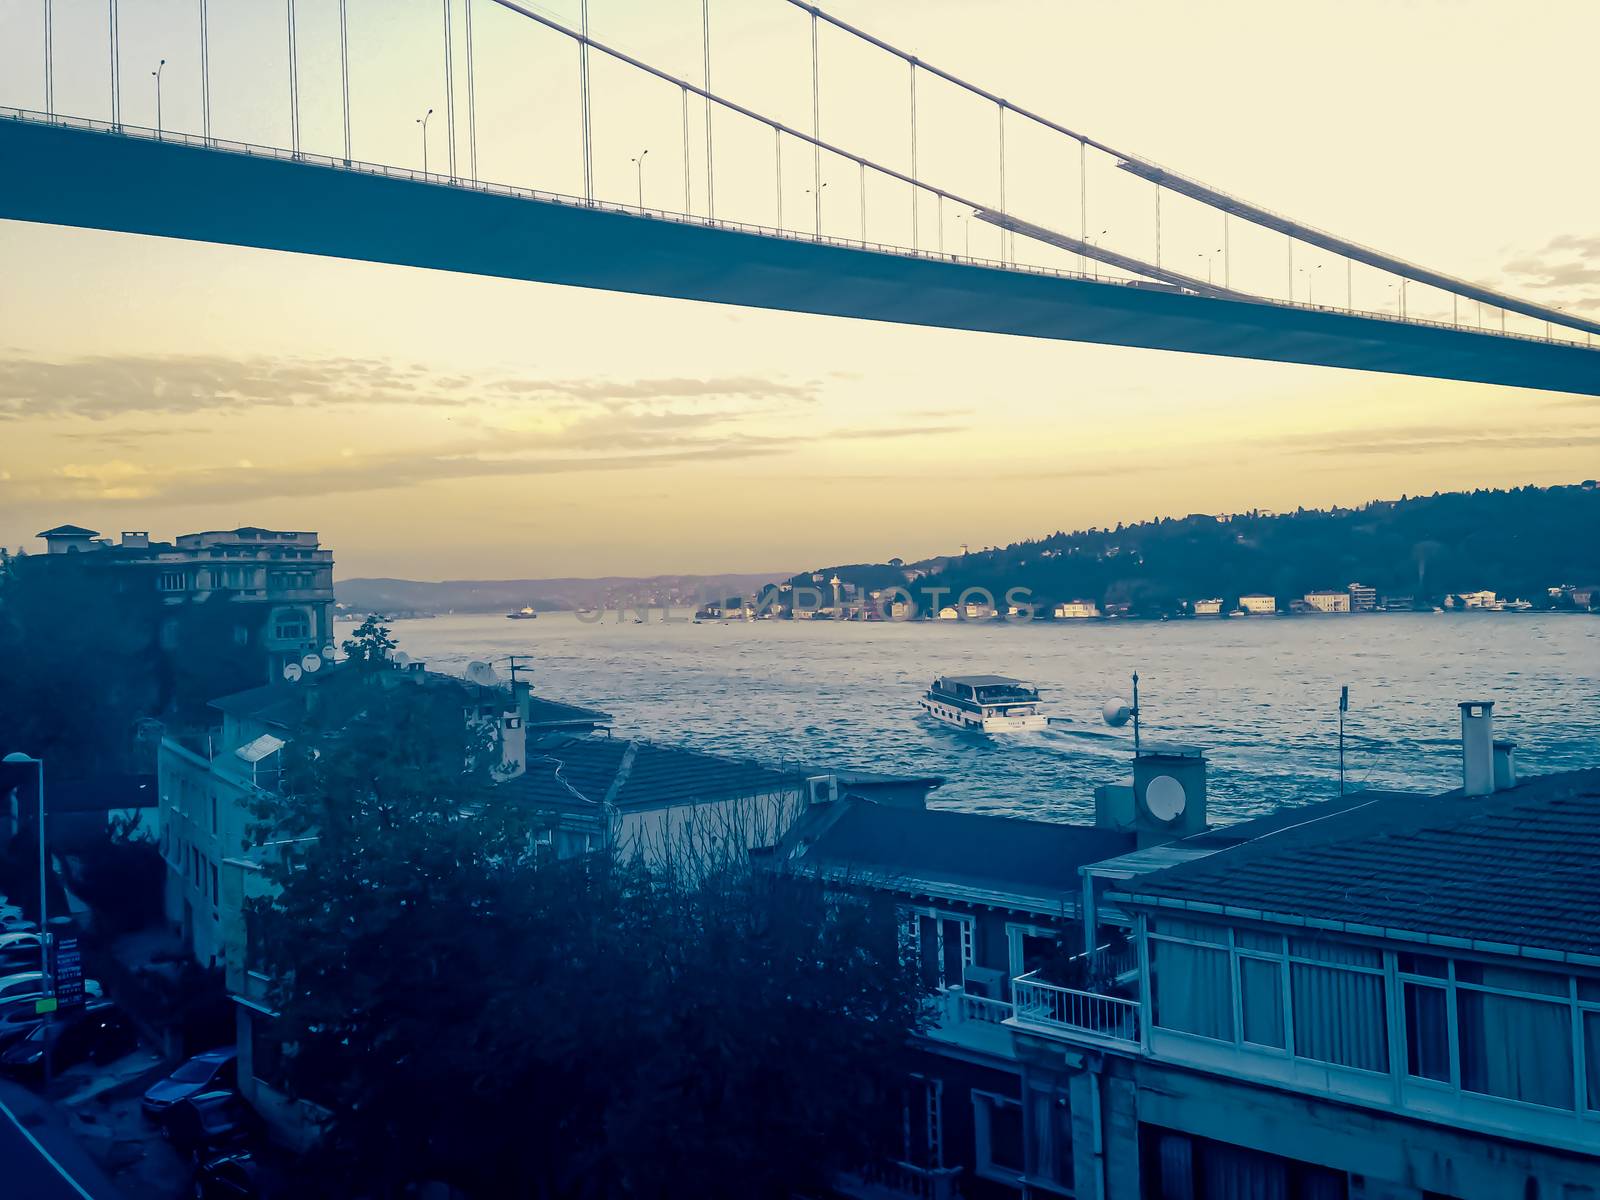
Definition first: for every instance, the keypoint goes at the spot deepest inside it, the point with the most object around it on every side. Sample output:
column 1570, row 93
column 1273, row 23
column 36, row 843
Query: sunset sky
column 432, row 425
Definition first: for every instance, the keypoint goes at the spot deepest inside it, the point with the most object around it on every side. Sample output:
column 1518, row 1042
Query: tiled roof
column 1518, row 868
column 587, row 772
column 998, row 856
column 542, row 712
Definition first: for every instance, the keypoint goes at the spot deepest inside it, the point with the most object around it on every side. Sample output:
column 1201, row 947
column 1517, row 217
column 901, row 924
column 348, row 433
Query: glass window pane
column 1589, row 989
column 1195, row 931
column 1193, row 989
column 1326, row 950
column 1339, row 1017
column 1517, row 1048
column 1427, row 1033
column 1515, row 979
column 1249, row 939
column 1005, row 1136
column 1261, row 1001
column 1591, row 1057
column 1423, row 964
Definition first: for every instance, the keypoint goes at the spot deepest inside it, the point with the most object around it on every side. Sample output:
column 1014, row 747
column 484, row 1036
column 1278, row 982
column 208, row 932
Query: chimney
column 1505, row 765
column 521, row 690
column 1477, row 747
column 135, row 539
column 513, row 745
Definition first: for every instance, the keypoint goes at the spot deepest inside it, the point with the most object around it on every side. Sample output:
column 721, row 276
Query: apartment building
column 1257, row 605
column 1070, row 610
column 249, row 601
column 1328, row 602
column 1381, row 996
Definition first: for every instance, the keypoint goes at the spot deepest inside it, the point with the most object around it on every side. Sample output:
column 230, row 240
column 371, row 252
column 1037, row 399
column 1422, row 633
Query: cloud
column 101, row 387
column 1568, row 264
column 1423, row 439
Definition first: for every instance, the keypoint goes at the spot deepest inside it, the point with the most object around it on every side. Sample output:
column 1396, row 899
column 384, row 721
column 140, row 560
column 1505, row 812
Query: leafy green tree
column 371, row 646
column 580, row 1029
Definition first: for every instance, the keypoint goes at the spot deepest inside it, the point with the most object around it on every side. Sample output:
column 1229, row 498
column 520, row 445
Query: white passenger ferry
column 985, row 704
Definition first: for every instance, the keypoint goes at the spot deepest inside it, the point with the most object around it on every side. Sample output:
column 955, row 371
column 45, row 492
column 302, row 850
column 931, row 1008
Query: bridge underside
column 69, row 176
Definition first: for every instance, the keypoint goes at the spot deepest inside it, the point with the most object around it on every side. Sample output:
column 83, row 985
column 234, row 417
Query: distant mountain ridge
column 545, row 595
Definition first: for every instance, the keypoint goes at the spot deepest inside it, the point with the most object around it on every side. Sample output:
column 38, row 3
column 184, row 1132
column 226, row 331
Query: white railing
column 1047, row 1004
column 914, row 1182
column 964, row 1006
column 502, row 189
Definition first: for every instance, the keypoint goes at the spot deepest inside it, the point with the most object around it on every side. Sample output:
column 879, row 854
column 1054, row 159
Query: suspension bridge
column 1049, row 277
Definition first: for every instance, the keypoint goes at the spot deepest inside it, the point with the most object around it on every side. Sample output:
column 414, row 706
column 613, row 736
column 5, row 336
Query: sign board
column 68, row 972
column 46, row 1005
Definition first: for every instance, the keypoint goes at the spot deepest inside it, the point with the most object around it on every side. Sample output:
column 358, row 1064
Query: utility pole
column 156, row 75
column 423, row 121
column 1344, row 707
column 639, row 165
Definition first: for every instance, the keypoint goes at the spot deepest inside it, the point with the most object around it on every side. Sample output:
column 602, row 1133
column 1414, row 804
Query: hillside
column 1518, row 543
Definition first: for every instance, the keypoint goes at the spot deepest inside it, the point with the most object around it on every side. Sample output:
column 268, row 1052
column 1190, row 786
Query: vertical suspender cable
column 205, row 71
column 49, row 60
column 1083, row 203
column 1227, row 252
column 705, row 38
column 777, row 153
column 1289, row 240
column 116, row 67
column 863, row 200
column 583, row 97
column 294, row 82
column 472, row 101
column 914, row 196
column 816, row 127
column 1003, row 237
column 1158, row 226
column 686, row 197
column 1349, row 303
column 450, row 90
column 344, row 73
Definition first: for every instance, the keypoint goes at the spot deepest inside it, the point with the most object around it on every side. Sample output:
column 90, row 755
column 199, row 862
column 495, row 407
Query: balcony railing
column 1049, row 1006
column 905, row 1181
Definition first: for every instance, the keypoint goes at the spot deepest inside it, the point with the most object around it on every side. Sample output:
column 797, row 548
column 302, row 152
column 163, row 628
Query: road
column 38, row 1156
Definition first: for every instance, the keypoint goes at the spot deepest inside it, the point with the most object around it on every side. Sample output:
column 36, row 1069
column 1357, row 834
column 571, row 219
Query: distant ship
column 985, row 704
column 525, row 613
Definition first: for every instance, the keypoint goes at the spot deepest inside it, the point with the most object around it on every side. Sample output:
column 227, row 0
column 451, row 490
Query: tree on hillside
column 579, row 1029
column 371, row 645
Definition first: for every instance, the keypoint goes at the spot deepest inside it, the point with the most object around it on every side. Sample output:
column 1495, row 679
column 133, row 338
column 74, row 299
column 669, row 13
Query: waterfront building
column 1257, row 604
column 1362, row 597
column 1208, row 608
column 1484, row 599
column 1076, row 610
column 1328, row 602
column 1381, row 995
column 250, row 599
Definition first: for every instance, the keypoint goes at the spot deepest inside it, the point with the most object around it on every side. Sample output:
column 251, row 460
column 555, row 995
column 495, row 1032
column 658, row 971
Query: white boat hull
column 957, row 718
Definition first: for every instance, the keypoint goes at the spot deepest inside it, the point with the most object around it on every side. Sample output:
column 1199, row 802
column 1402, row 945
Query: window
column 1029, row 947
column 997, row 1137
column 1339, row 1016
column 1050, row 1122
column 1261, row 1001
column 942, row 944
column 1427, row 1032
column 266, row 1051
column 213, row 812
column 1192, row 983
column 172, row 581
column 1515, row 1046
column 1591, row 1058
column 216, row 885
column 291, row 625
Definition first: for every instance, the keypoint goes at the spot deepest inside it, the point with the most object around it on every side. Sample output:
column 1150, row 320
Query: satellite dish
column 400, row 658
column 311, row 663
column 1165, row 798
column 1115, row 713
column 482, row 674
column 292, row 672
column 327, row 652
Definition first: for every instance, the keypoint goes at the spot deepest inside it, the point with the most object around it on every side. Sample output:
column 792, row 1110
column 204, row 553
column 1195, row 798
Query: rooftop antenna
column 1116, row 713
column 518, row 662
column 1344, row 707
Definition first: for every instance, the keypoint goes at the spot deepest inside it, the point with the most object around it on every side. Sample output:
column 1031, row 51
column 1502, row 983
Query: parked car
column 16, row 924
column 240, row 1176
column 99, row 1032
column 208, row 1072
column 16, row 1023
column 209, row 1124
column 18, row 952
column 29, row 985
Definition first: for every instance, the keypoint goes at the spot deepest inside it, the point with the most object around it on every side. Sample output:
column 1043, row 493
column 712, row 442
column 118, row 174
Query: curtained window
column 1261, row 1001
column 1427, row 1032
column 1515, row 1047
column 1591, row 1057
column 1050, row 1121
column 1192, row 989
column 1339, row 1016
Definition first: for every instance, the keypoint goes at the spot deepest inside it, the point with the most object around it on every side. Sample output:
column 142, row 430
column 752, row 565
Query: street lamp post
column 48, row 983
column 156, row 75
column 639, row 166
column 423, row 121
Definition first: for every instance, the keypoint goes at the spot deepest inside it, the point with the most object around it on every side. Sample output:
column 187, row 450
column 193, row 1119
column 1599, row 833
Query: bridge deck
column 68, row 174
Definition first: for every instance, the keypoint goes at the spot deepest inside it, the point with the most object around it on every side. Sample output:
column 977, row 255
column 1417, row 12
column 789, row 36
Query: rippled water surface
column 1261, row 695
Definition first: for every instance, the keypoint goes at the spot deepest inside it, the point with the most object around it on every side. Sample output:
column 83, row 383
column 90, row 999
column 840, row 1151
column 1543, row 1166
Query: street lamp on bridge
column 639, row 167
column 423, row 121
column 156, row 75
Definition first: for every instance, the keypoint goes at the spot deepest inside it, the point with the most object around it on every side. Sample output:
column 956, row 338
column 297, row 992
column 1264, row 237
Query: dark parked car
column 208, row 1072
column 241, row 1176
column 208, row 1124
column 98, row 1032
column 17, row 1023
